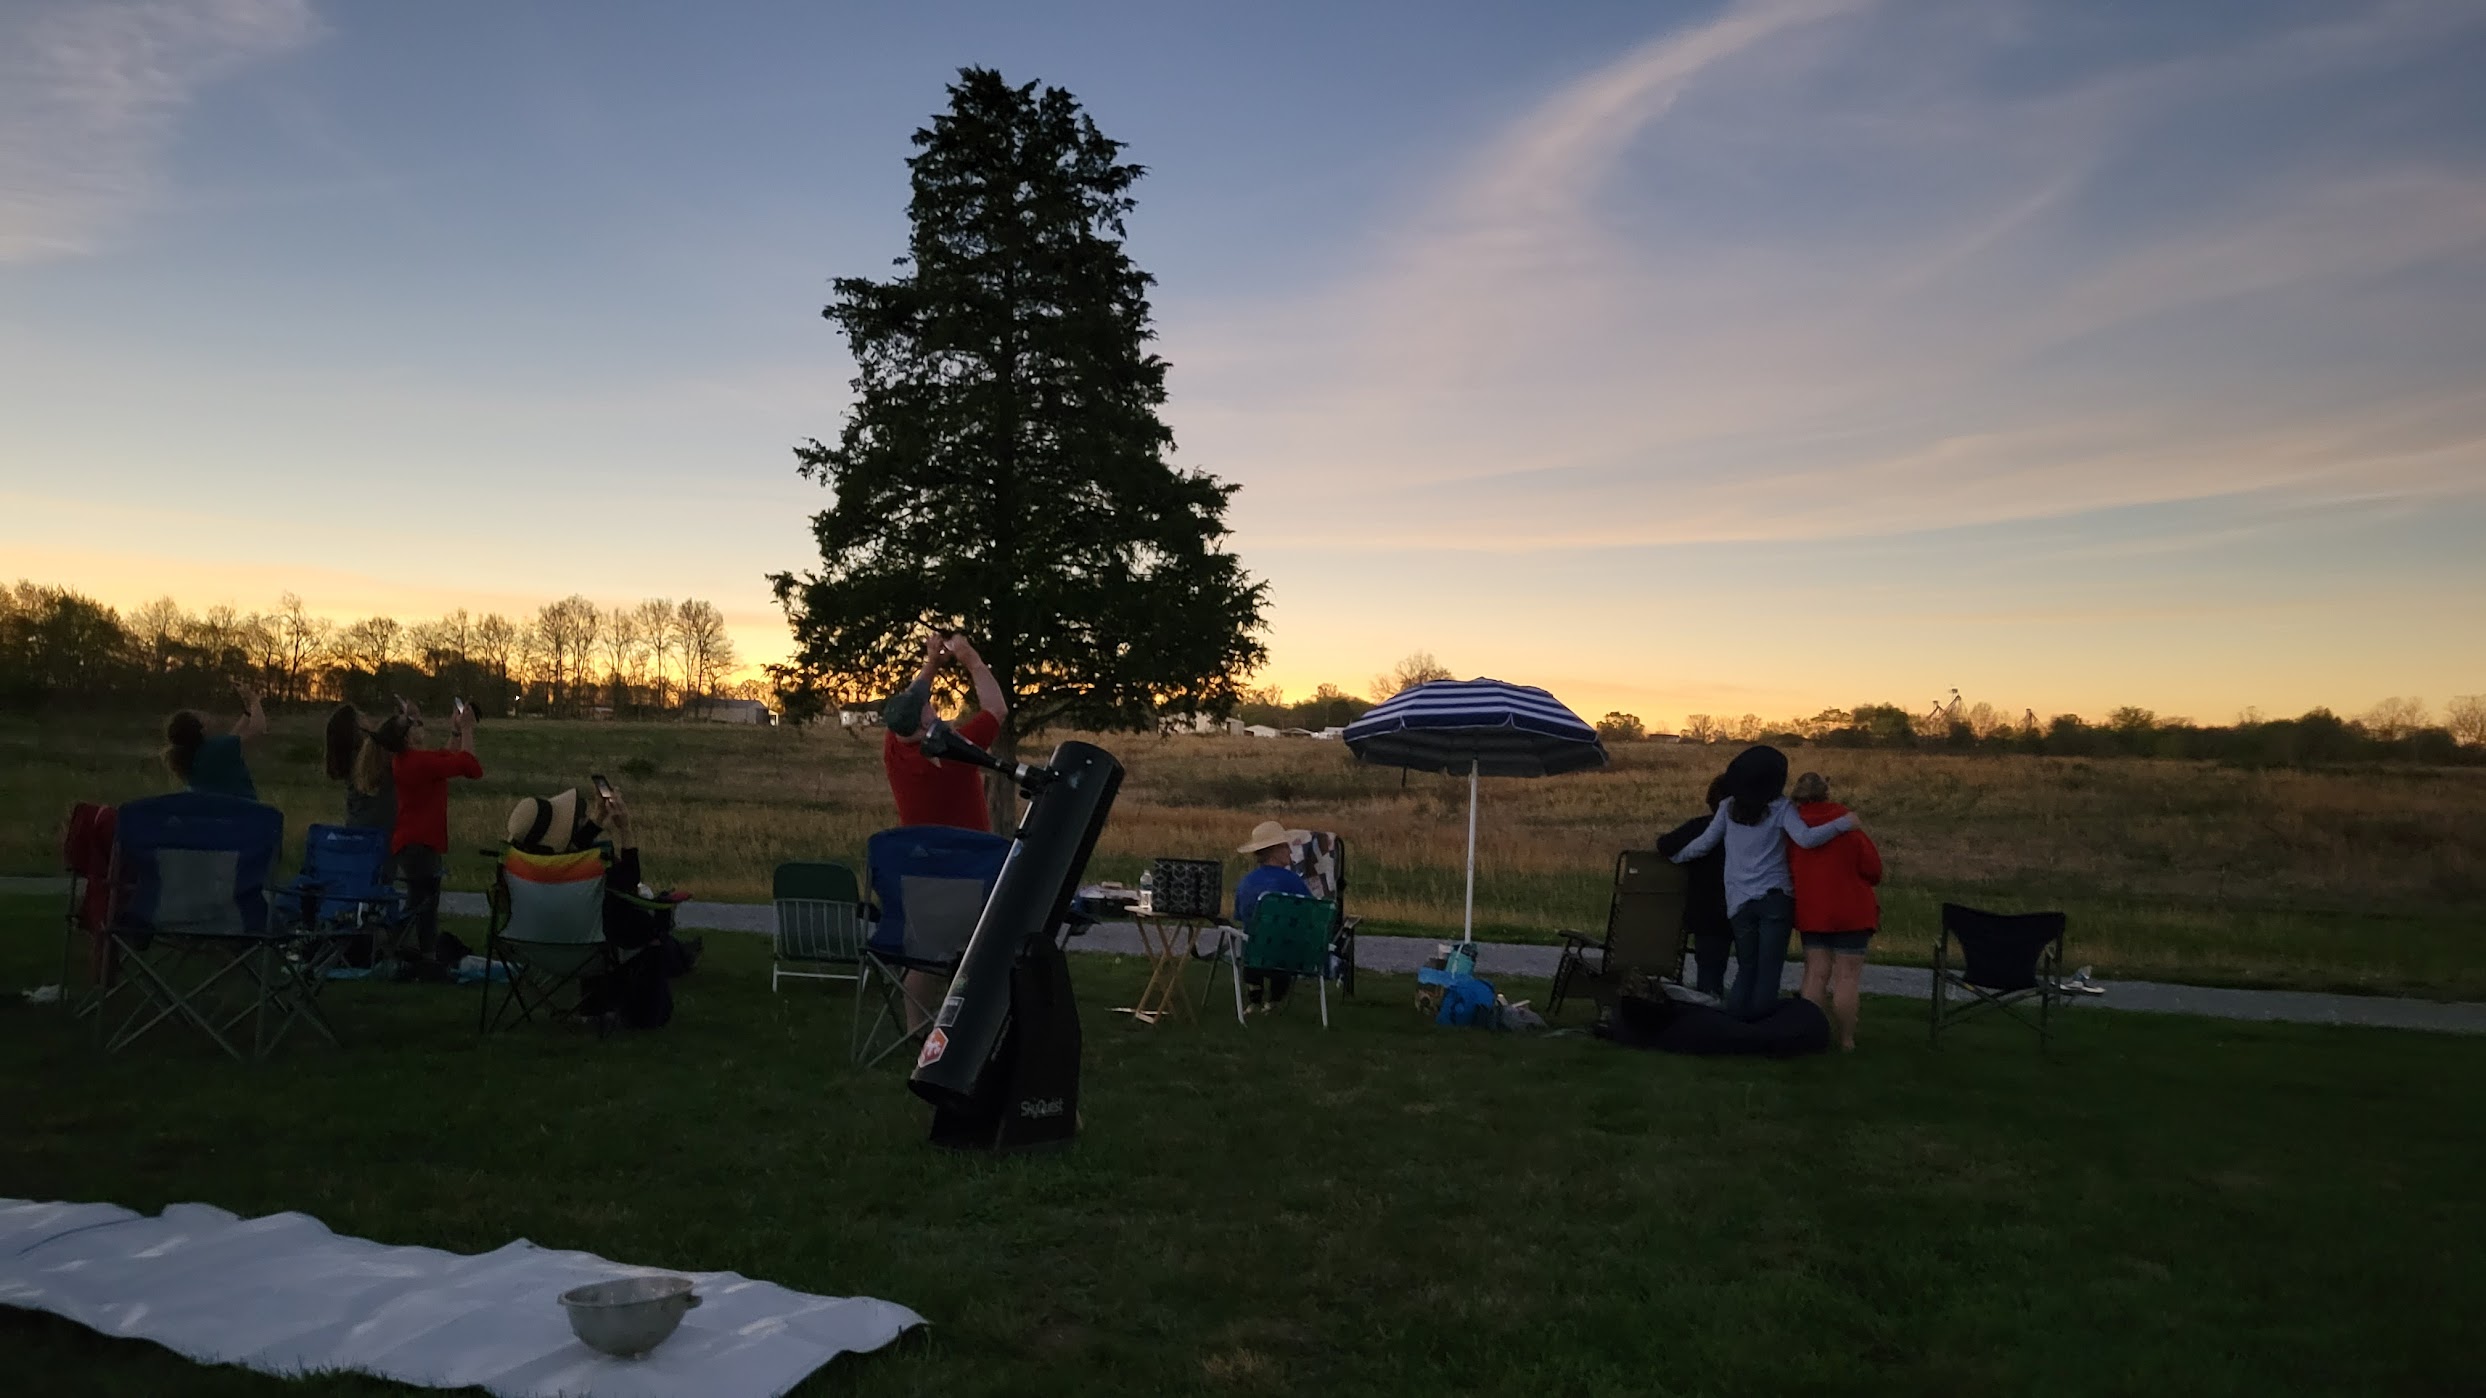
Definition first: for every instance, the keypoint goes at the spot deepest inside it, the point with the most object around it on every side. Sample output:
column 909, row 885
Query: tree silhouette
column 1003, row 467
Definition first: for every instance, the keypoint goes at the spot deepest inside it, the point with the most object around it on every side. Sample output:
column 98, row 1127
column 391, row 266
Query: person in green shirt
column 216, row 765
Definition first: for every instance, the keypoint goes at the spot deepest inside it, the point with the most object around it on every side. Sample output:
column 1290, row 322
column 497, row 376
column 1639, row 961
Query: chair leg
column 1934, row 1030
column 1324, row 1001
column 1235, row 979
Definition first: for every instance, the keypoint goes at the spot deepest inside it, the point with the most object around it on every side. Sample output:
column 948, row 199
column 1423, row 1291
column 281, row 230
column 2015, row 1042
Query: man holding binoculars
column 928, row 790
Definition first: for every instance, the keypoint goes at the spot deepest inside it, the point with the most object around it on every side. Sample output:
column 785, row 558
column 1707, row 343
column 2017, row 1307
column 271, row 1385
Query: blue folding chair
column 191, row 925
column 929, row 886
column 344, row 887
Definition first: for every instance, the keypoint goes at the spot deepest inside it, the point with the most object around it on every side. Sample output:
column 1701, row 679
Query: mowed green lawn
column 2162, row 1205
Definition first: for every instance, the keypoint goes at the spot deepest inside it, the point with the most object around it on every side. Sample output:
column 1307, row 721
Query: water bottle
column 1147, row 891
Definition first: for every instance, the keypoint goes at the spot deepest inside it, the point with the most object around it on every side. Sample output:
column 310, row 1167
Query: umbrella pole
column 1467, row 931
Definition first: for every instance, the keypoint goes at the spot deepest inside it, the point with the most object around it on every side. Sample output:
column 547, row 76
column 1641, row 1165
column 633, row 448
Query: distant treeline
column 2395, row 730
column 572, row 658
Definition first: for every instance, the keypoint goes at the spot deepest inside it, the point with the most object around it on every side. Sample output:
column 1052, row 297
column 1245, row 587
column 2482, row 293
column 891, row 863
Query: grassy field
column 2365, row 880
column 2162, row 1205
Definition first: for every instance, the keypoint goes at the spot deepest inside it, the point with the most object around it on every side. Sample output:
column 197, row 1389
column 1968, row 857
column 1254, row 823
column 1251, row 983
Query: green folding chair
column 1291, row 934
column 820, row 932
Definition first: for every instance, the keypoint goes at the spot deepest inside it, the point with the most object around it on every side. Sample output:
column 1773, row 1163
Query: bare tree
column 305, row 641
column 496, row 647
column 1418, row 667
column 2465, row 716
column 566, row 632
column 2395, row 718
column 371, row 644
column 622, row 643
column 707, row 652
column 659, row 628
column 158, row 627
column 1701, row 728
column 1984, row 720
column 263, row 641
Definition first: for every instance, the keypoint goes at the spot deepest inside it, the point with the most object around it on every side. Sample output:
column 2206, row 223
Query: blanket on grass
column 283, row 1295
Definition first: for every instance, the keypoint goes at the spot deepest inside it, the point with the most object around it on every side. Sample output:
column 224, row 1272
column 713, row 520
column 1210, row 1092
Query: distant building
column 750, row 711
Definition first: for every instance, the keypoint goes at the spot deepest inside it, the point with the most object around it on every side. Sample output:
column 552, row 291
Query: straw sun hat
column 1268, row 833
column 546, row 822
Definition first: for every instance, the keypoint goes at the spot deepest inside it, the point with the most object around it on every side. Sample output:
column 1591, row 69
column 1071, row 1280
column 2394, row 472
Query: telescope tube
column 1030, row 899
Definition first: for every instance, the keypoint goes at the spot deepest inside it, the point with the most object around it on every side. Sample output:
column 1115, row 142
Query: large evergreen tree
column 1003, row 468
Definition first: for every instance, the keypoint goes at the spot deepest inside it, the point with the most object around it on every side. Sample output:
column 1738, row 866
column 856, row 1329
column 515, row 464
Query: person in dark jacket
column 1704, row 896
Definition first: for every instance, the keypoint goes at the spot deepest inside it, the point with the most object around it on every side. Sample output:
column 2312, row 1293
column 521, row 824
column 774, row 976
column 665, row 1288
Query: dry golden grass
column 2366, row 878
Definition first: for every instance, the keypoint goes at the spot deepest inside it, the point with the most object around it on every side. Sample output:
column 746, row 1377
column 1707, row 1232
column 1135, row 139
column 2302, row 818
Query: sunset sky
column 1744, row 357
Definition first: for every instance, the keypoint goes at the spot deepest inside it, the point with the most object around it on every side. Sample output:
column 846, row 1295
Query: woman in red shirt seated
column 1836, row 911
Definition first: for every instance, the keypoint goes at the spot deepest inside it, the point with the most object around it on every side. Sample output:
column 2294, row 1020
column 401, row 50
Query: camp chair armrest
column 1580, row 939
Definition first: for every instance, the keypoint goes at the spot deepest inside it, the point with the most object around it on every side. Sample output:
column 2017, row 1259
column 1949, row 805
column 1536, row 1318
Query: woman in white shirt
column 1754, row 822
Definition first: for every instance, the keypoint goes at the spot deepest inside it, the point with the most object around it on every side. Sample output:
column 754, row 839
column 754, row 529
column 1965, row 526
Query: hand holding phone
column 604, row 788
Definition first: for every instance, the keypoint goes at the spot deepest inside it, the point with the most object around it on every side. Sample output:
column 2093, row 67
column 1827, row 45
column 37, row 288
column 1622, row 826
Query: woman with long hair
column 214, row 764
column 351, row 757
column 1755, row 824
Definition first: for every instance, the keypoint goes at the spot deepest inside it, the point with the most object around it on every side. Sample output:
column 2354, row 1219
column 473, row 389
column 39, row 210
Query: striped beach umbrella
column 1485, row 728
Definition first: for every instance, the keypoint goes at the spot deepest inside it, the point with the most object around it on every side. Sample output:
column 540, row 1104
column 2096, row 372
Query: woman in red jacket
column 1835, row 910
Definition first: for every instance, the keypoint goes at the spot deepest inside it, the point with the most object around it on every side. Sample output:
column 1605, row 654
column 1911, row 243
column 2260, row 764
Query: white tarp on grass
column 284, row 1295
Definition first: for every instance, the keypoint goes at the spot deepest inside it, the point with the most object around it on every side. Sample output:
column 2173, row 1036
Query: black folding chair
column 2004, row 961
column 1644, row 934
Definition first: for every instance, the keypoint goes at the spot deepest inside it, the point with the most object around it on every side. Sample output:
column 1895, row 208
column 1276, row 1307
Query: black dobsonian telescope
column 1001, row 1065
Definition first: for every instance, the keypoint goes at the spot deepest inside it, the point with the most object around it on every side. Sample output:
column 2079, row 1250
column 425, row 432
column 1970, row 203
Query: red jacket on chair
column 1834, row 884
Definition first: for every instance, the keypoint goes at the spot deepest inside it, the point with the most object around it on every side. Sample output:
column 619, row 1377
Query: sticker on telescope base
column 936, row 1043
column 948, row 1014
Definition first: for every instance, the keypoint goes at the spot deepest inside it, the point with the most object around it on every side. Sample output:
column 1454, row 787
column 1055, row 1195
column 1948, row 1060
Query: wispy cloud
column 1828, row 268
column 91, row 94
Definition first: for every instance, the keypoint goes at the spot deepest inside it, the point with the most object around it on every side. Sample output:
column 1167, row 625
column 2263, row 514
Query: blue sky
column 1716, row 357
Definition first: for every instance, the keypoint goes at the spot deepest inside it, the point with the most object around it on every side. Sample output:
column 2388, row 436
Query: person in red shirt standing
column 421, row 836
column 930, row 791
column 1836, row 911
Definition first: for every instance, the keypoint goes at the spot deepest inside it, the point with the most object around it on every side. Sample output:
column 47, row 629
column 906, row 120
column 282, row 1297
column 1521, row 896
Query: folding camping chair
column 1644, row 934
column 545, row 940
column 930, row 883
column 191, row 935
column 820, row 928
column 86, row 854
column 1290, row 934
column 1322, row 863
column 2005, row 959
column 344, row 889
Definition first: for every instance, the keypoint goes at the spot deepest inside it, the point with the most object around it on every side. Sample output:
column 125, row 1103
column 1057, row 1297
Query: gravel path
column 1400, row 955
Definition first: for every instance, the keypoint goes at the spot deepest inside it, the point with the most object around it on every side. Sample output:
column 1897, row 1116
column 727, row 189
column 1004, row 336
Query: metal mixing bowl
column 629, row 1317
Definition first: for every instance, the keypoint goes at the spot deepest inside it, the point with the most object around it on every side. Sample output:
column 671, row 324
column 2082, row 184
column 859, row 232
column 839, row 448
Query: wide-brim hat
column 545, row 822
column 1268, row 833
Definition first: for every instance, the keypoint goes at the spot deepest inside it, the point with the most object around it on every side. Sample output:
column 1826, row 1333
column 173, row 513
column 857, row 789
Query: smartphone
column 457, row 705
column 603, row 787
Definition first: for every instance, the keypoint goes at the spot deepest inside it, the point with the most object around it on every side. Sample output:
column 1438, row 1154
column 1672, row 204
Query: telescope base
column 1030, row 1090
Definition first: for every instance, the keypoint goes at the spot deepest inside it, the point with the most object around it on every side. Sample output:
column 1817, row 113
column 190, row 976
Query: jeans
column 420, row 866
column 1761, row 928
